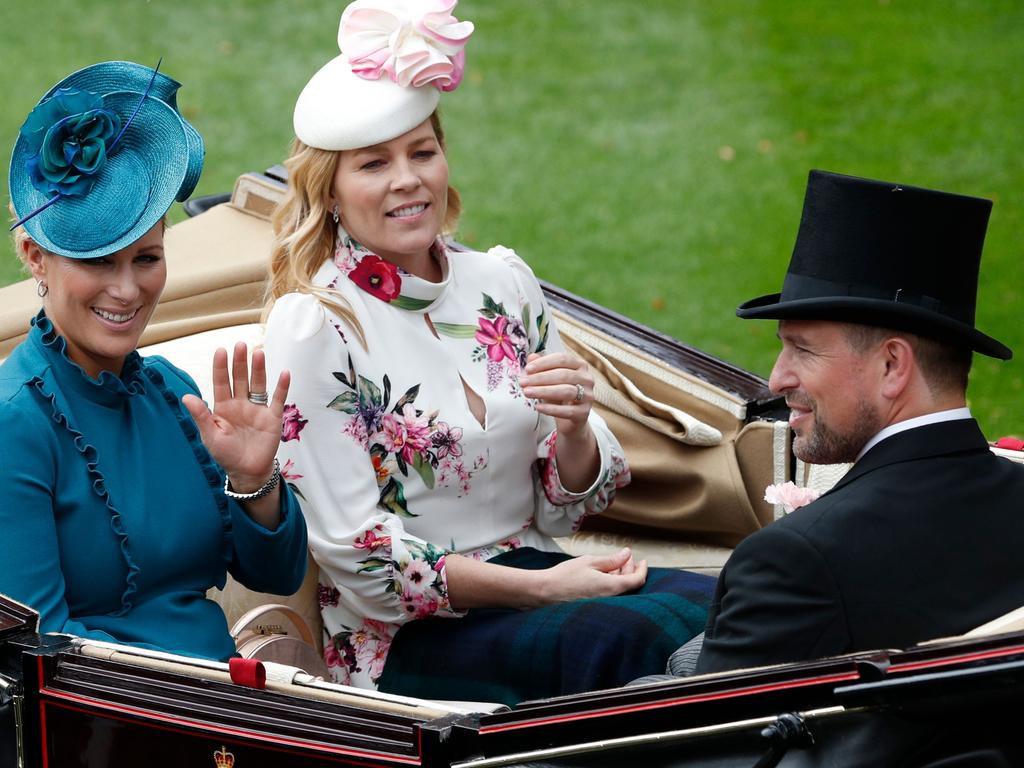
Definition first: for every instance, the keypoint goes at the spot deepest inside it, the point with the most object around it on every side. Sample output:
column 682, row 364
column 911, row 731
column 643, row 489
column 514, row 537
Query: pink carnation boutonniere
column 789, row 495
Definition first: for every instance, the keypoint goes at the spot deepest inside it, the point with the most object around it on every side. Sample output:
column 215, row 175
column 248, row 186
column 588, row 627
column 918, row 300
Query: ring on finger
column 259, row 398
column 579, row 395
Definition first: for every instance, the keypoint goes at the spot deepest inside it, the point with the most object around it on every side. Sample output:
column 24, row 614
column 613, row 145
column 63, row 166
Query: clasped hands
column 475, row 584
column 594, row 576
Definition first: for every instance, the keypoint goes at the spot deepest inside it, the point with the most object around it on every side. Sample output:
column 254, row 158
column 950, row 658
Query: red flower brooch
column 377, row 277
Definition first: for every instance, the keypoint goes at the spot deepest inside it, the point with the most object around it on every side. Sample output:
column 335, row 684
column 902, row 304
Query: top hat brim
column 876, row 312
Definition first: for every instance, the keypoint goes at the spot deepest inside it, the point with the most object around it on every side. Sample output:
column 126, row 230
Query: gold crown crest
column 223, row 758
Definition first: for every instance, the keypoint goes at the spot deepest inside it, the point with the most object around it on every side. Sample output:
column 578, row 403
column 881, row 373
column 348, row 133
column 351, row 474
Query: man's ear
column 900, row 366
column 34, row 258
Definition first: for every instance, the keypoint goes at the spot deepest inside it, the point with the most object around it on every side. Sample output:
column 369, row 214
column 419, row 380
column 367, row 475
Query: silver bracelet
column 259, row 493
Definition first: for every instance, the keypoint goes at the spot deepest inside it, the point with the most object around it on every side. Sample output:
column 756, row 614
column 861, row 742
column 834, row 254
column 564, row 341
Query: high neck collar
column 109, row 389
column 388, row 282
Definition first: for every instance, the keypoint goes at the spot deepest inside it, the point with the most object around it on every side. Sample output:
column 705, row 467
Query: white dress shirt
column 953, row 414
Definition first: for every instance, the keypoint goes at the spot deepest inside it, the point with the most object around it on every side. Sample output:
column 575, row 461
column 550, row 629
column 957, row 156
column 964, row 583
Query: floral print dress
column 393, row 469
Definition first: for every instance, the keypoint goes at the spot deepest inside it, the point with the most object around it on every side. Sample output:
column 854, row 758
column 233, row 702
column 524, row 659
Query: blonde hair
column 304, row 228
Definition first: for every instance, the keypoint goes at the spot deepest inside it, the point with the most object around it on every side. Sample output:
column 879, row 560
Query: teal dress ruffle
column 116, row 522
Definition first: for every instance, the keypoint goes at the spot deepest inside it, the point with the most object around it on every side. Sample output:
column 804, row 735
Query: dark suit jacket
column 923, row 538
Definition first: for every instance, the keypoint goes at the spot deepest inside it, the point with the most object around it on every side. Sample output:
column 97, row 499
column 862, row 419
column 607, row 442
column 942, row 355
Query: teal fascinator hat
column 101, row 158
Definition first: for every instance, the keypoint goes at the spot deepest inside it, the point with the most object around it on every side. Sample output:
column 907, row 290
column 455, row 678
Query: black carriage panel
column 93, row 712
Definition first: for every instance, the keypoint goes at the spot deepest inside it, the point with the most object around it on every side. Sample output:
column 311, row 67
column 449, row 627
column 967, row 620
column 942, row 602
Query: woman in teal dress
column 124, row 497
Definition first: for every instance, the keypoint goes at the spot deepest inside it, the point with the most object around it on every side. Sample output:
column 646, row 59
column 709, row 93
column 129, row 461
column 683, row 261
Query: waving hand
column 243, row 430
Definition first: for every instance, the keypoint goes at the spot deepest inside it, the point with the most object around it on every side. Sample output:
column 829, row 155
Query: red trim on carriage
column 718, row 695
column 911, row 666
column 86, row 705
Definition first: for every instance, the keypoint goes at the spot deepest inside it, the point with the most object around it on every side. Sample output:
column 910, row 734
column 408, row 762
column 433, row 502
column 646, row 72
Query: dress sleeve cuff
column 287, row 505
column 284, row 548
column 445, row 606
column 556, row 493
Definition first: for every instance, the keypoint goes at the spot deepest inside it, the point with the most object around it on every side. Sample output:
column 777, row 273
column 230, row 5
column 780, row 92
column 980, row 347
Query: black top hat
column 884, row 254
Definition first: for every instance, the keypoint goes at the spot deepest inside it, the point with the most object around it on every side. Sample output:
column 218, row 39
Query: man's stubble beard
column 826, row 446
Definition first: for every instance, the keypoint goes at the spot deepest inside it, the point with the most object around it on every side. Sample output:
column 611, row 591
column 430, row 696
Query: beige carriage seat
column 1009, row 622
column 1001, row 625
column 699, row 469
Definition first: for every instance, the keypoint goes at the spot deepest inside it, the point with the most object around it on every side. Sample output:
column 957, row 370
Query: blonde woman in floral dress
column 439, row 433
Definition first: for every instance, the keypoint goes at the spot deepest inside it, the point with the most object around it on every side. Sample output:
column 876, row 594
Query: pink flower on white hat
column 413, row 42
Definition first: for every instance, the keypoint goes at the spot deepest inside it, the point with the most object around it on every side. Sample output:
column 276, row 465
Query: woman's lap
column 507, row 656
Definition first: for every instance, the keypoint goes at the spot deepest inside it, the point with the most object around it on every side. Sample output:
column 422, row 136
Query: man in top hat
column 922, row 538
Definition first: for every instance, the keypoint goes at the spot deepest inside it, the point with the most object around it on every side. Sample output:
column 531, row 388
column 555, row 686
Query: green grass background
column 650, row 155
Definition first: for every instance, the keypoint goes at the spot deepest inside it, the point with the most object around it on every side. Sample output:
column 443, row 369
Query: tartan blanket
column 509, row 656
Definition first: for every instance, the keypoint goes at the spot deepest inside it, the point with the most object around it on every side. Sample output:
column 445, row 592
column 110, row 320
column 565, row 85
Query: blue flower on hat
column 69, row 136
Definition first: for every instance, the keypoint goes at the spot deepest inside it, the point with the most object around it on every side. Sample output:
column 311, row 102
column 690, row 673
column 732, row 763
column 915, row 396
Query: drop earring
column 41, row 289
column 334, row 214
